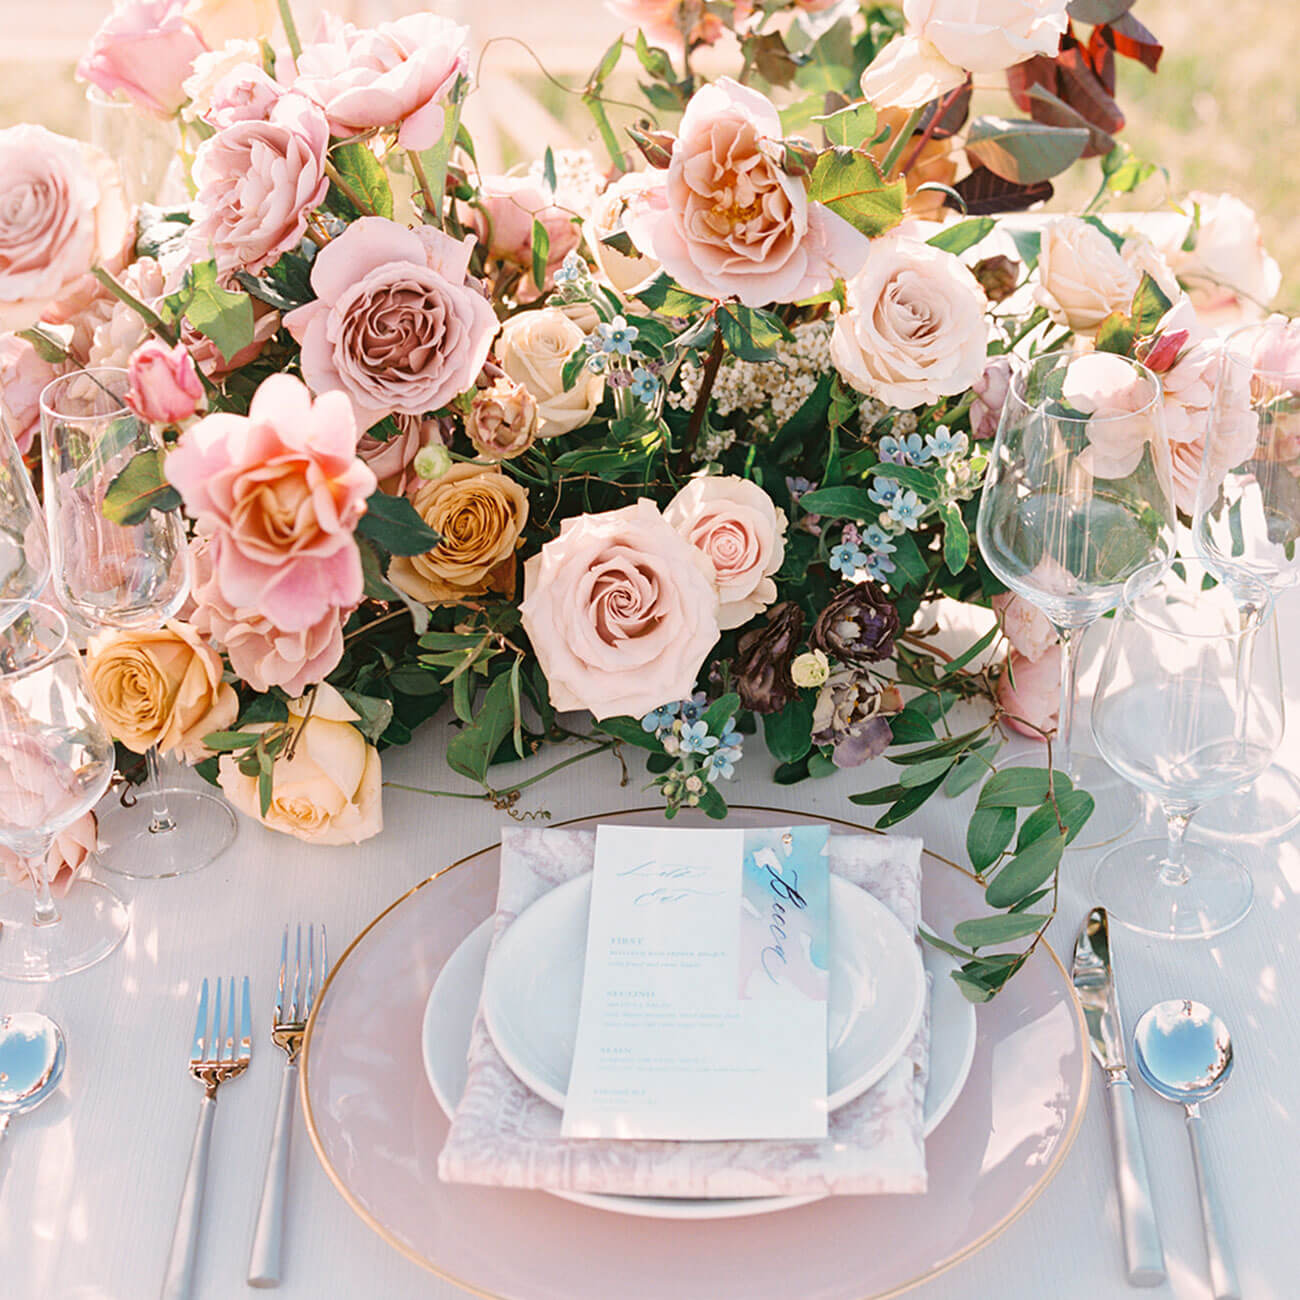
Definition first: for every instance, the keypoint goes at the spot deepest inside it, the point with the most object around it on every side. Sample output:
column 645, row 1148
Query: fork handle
column 178, row 1281
column 268, row 1235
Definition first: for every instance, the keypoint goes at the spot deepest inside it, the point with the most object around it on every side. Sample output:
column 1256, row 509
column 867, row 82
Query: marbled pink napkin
column 503, row 1134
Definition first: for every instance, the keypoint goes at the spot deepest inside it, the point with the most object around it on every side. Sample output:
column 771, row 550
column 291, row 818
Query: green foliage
column 224, row 317
column 364, row 176
column 139, row 487
column 1024, row 151
column 851, row 185
column 393, row 523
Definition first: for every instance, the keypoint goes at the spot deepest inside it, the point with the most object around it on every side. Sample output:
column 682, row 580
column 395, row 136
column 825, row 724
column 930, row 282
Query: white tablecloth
column 90, row 1181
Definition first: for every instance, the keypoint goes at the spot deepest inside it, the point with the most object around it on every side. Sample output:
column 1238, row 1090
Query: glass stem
column 46, row 913
column 160, row 820
column 1063, row 756
column 1173, row 870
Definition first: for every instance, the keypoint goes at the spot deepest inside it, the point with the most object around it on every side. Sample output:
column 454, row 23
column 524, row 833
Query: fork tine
column 200, row 1025
column 297, row 977
column 284, row 975
column 213, row 1046
column 229, row 1049
column 245, row 1025
column 311, row 969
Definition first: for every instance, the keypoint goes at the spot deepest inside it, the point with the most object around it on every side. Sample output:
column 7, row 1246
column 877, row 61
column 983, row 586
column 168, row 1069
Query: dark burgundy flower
column 858, row 626
column 763, row 658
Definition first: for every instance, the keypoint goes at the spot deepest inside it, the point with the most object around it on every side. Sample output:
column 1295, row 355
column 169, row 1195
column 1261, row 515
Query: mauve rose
column 397, row 74
column 145, row 49
column 733, row 522
column 66, row 860
column 1029, row 692
column 504, row 224
column 1026, row 626
column 164, row 383
column 392, row 458
column 62, row 211
column 764, row 658
column 394, row 325
column 279, row 491
column 502, row 421
column 22, row 377
column 990, row 390
column 726, row 221
column 858, row 625
column 258, row 181
column 620, row 611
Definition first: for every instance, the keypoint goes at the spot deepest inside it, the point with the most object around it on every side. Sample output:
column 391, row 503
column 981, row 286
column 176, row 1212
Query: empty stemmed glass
column 56, row 760
column 24, row 553
column 1078, row 497
column 1188, row 706
column 132, row 574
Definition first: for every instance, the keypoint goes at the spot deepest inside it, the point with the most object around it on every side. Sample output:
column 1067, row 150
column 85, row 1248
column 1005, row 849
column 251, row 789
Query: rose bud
column 164, row 385
column 1160, row 353
column 502, row 420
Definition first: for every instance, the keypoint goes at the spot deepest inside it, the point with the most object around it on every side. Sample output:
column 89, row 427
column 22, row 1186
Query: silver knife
column 1094, row 983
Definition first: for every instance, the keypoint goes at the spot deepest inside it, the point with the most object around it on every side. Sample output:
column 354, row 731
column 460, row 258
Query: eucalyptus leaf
column 985, row 930
column 988, row 834
column 1025, row 871
column 962, row 235
column 1020, row 787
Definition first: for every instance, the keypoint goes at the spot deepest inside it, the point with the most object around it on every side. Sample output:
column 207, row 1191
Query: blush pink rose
column 1029, row 691
column 1276, row 351
column 391, row 458
column 621, row 611
column 1122, row 402
column 733, row 522
column 397, row 74
column 727, row 222
column 258, row 181
column 23, row 375
column 62, row 211
column 279, row 491
column 145, row 49
column 164, row 386
column 504, row 223
column 659, row 19
column 394, row 325
column 1026, row 626
column 67, row 860
column 244, row 94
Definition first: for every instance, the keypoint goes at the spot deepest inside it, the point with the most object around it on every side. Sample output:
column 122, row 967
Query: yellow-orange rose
column 329, row 791
column 160, row 687
column 478, row 512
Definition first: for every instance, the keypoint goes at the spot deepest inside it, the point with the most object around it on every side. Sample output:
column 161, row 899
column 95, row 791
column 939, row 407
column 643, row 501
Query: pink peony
column 258, row 181
column 164, row 383
column 621, row 611
column 394, row 325
column 1026, row 626
column 504, row 222
column 990, row 390
column 22, row 377
column 1029, row 692
column 62, row 211
column 397, row 74
column 67, row 859
column 727, row 222
column 145, row 49
column 279, row 491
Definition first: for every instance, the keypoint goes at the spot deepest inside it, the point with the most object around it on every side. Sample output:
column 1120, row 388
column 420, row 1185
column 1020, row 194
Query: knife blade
column 1094, row 984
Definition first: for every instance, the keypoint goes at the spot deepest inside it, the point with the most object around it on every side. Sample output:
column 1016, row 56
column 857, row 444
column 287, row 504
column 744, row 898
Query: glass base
column 1132, row 884
column 92, row 922
column 204, row 828
column 1266, row 809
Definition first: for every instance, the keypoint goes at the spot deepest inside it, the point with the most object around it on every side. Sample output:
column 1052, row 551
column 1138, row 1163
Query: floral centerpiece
column 670, row 447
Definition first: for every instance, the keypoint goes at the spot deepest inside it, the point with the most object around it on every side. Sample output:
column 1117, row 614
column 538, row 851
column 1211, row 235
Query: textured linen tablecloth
column 504, row 1134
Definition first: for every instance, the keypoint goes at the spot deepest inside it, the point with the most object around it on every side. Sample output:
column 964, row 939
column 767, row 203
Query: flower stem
column 290, row 28
column 146, row 314
column 432, row 208
column 905, row 133
column 707, row 380
column 573, row 758
column 928, row 134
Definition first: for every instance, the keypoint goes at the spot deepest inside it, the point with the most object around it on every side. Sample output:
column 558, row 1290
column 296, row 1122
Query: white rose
column 623, row 272
column 914, row 327
column 1082, row 277
column 1146, row 259
column 532, row 349
column 1229, row 273
column 219, row 21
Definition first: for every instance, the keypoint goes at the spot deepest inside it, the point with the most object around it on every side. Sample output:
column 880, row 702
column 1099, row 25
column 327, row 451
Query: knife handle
column 1143, row 1252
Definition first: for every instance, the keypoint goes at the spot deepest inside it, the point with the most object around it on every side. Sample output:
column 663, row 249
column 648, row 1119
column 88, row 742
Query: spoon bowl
column 32, row 1054
column 1184, row 1051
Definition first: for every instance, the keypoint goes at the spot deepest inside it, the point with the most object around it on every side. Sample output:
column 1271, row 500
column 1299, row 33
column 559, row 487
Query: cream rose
column 329, row 791
column 621, row 612
column 219, row 21
column 625, row 273
column 733, row 522
column 1082, row 276
column 160, row 687
column 913, row 329
column 532, row 349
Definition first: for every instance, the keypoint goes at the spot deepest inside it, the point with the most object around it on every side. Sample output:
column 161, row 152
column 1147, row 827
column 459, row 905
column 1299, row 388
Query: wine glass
column 132, row 574
column 145, row 148
column 24, row 552
column 56, row 760
column 1077, row 497
column 1247, row 517
column 1188, row 706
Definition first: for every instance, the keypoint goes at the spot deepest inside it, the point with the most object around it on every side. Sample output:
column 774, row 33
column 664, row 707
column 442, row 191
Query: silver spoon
column 32, row 1053
column 1184, row 1053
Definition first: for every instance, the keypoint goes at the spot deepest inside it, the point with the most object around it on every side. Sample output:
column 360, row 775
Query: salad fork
column 287, row 1033
column 214, row 1058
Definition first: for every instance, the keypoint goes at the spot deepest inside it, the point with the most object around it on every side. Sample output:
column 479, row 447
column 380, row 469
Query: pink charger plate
column 378, row 1130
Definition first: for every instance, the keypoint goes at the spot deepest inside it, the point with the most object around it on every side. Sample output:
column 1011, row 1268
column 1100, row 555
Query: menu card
column 704, row 994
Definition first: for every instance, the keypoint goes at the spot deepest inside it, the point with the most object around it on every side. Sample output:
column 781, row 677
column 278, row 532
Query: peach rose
column 66, row 861
column 733, row 522
column 1026, row 626
column 478, row 513
column 608, row 211
column 502, row 420
column 533, row 348
column 62, row 211
column 329, row 792
column 160, row 687
column 504, row 223
column 144, row 49
column 621, row 612
column 1029, row 692
column 23, row 375
column 727, row 222
column 219, row 21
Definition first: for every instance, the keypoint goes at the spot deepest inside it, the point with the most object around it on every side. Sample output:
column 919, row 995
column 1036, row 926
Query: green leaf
column 820, row 766
column 436, row 158
column 988, row 834
column 842, row 502
column 1029, row 244
column 971, row 652
column 265, row 787
column 750, row 334
column 1113, row 237
column 1075, row 808
column 910, row 476
column 921, row 773
column 910, row 726
column 720, row 712
column 1115, row 334
column 985, row 930
column 471, row 750
column 789, row 732
column 956, row 539
column 1124, row 170
column 375, row 585
column 608, row 62
column 1149, row 304
column 852, row 186
column 963, row 235
column 375, row 713
column 792, row 773
column 1026, row 871
column 47, row 348
column 1023, row 151
column 268, row 707
column 630, row 732
column 950, row 748
column 851, row 126
column 910, row 562
column 1020, row 787
column 668, row 298
column 712, row 804
column 974, row 767
column 224, row 740
column 907, row 805
column 138, row 488
column 364, row 175
column 218, row 314
column 654, row 60
column 541, row 252
column 885, row 794
column 394, row 524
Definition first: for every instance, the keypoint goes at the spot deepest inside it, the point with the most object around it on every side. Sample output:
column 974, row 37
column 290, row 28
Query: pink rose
column 391, row 458
column 1276, row 351
column 279, row 492
column 1026, row 626
column 394, row 325
column 67, row 859
column 144, row 48
column 621, row 611
column 261, row 653
column 244, row 94
column 62, row 211
column 1029, row 692
column 1122, row 403
column 733, row 522
column 990, row 390
column 397, row 74
column 510, row 205
column 164, row 383
column 659, row 19
column 1229, row 273
column 726, row 221
column 22, row 377
column 258, row 181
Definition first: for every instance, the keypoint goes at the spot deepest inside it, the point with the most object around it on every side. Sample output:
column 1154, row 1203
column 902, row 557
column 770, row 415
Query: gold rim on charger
column 1063, row 1150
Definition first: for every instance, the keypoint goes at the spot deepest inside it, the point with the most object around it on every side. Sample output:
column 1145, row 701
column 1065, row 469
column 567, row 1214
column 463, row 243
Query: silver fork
column 214, row 1058
column 287, row 1032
